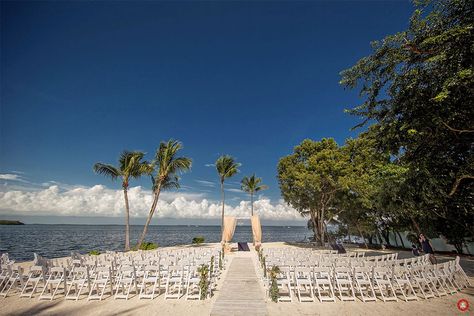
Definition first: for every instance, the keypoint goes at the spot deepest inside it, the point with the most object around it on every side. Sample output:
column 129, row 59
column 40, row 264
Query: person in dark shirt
column 427, row 248
column 414, row 250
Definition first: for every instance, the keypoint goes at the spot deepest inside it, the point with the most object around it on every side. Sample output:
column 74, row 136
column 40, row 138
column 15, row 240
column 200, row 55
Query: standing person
column 427, row 248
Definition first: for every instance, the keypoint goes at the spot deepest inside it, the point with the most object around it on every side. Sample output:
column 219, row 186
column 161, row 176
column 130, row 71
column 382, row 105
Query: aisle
column 241, row 292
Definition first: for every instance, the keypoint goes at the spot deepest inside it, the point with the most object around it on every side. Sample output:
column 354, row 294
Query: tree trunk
column 251, row 206
column 370, row 239
column 386, row 235
column 223, row 201
column 321, row 223
column 362, row 236
column 127, row 220
column 150, row 215
column 395, row 237
column 415, row 225
column 379, row 238
column 401, row 239
column 251, row 202
column 315, row 224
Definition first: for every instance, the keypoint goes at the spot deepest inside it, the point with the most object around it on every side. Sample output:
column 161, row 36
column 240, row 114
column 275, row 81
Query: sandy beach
column 14, row 305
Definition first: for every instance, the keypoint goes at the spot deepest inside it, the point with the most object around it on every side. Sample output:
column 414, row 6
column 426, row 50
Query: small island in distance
column 5, row 222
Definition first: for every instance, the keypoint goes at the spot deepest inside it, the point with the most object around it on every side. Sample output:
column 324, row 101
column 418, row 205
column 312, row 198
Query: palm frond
column 168, row 166
column 252, row 184
column 226, row 167
column 107, row 170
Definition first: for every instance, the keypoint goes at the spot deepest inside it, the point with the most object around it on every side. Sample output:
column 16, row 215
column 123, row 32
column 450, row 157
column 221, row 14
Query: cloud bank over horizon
column 99, row 200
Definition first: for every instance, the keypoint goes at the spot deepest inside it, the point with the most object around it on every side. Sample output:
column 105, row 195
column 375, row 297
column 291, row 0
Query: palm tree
column 130, row 166
column 226, row 168
column 252, row 185
column 168, row 167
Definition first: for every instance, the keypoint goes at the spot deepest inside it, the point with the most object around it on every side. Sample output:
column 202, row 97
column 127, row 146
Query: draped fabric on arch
column 256, row 229
column 229, row 228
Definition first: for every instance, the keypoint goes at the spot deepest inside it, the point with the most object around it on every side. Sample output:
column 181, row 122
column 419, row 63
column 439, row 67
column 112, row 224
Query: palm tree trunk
column 223, row 201
column 150, row 216
column 251, row 201
column 127, row 220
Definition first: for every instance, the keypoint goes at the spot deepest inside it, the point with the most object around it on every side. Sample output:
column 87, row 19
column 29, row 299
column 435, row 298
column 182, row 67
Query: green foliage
column 94, row 252
column 226, row 167
column 148, row 246
column 130, row 166
column 211, row 268
column 198, row 240
column 310, row 178
column 204, row 280
column 274, row 292
column 167, row 167
column 418, row 88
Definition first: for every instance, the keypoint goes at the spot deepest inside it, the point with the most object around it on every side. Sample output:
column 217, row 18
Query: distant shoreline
column 6, row 222
column 141, row 225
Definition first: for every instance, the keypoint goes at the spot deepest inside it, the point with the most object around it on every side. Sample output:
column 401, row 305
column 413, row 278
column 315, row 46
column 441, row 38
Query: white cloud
column 99, row 200
column 209, row 165
column 235, row 190
column 205, row 183
column 9, row 176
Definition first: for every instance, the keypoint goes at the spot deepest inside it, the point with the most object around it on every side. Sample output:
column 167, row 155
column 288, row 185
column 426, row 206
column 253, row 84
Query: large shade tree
column 418, row 86
column 252, row 185
column 130, row 166
column 309, row 180
column 226, row 167
column 167, row 167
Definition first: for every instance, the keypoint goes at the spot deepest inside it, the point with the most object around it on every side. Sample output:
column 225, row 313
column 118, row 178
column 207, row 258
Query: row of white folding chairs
column 420, row 281
column 175, row 281
column 324, row 261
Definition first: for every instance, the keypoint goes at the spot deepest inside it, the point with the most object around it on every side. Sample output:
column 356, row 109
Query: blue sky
column 82, row 81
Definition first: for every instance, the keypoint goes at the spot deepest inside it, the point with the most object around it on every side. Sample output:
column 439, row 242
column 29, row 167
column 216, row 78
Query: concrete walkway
column 241, row 292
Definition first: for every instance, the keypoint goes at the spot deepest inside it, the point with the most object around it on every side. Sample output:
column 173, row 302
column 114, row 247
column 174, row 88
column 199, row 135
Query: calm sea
column 52, row 241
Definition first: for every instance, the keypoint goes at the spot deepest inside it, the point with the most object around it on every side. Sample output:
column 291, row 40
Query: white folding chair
column 78, row 279
column 284, row 284
column 323, row 284
column 102, row 281
column 127, row 281
column 16, row 280
column 304, row 284
column 344, row 285
column 402, row 284
column 35, row 276
column 363, row 284
column 420, row 284
column 382, row 283
column 174, row 282
column 56, row 279
column 435, row 281
column 193, row 278
column 151, row 278
column 460, row 275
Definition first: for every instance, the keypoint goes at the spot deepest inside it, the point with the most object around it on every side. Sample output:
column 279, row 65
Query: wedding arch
column 230, row 223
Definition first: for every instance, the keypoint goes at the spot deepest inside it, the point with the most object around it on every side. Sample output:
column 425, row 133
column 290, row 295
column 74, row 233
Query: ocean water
column 52, row 241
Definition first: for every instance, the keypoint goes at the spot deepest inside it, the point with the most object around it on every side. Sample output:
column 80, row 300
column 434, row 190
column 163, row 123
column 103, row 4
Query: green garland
column 204, row 280
column 274, row 292
column 220, row 260
column 264, row 266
